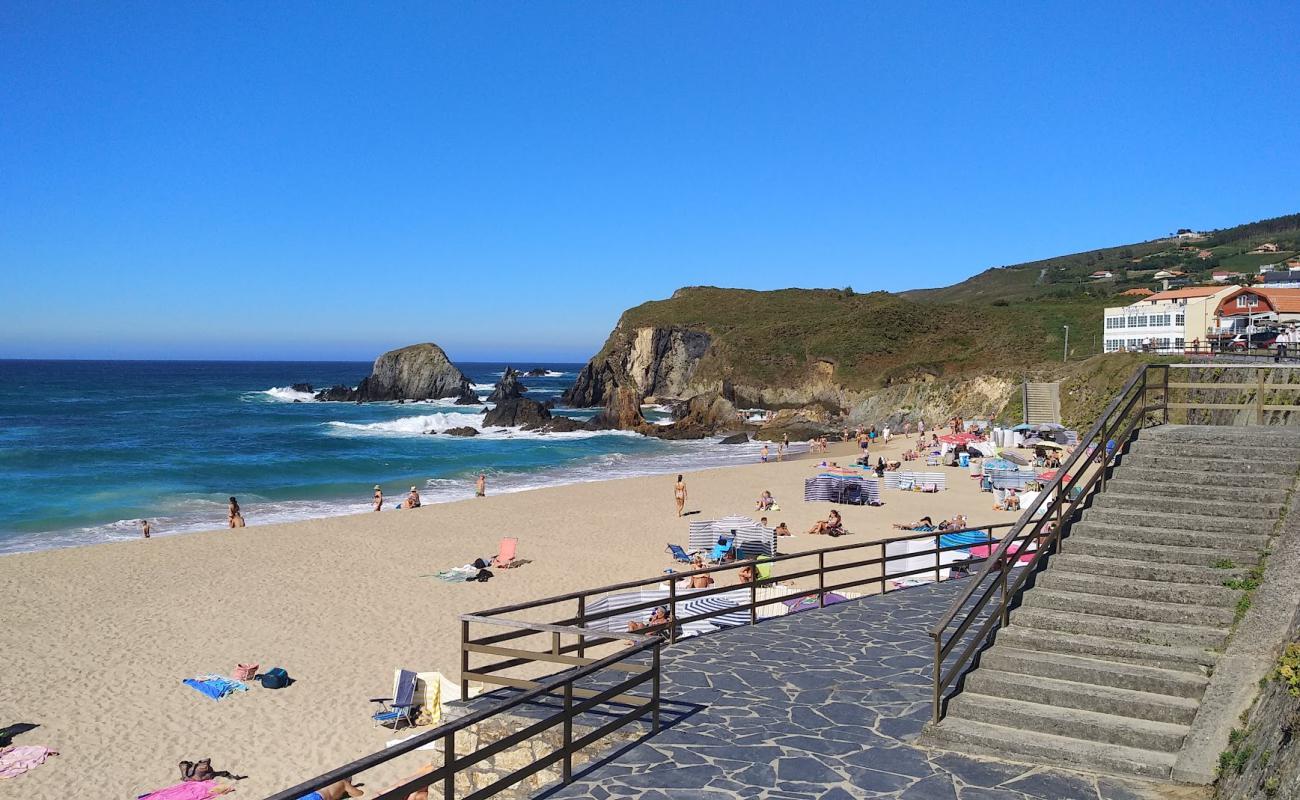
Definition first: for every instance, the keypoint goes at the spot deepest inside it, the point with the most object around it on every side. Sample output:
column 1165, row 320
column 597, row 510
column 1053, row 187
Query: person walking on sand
column 144, row 528
column 679, row 495
column 480, row 485
column 234, row 517
column 379, row 498
column 780, row 451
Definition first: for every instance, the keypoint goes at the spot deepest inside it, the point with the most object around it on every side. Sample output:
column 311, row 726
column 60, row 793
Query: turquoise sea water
column 87, row 448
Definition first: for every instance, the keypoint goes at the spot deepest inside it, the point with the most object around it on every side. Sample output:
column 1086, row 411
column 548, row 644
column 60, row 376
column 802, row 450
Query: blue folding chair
column 679, row 554
column 720, row 550
column 401, row 706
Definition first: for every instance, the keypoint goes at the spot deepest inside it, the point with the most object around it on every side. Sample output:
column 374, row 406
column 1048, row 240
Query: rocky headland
column 417, row 372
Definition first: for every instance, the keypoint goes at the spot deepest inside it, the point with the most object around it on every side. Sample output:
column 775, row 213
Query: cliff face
column 417, row 372
column 657, row 362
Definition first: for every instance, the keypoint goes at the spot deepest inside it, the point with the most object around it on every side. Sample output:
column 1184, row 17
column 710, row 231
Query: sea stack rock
column 517, row 412
column 537, row 372
column 417, row 372
column 508, row 388
column 623, row 410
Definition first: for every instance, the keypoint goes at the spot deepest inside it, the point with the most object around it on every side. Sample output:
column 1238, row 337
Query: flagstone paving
column 821, row 704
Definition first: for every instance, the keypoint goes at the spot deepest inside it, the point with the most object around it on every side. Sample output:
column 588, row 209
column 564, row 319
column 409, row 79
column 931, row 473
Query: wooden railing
column 623, row 692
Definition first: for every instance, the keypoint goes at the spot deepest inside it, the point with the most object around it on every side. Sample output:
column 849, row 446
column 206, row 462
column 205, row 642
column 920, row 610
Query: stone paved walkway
column 820, row 704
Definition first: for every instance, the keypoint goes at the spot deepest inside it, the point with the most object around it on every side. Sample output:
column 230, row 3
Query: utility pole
column 1065, row 356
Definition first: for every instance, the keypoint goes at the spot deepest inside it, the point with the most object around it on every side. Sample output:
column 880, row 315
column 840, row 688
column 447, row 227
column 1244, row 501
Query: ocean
column 88, row 448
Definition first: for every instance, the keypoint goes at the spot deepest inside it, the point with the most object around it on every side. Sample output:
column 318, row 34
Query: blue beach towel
column 215, row 686
column 964, row 539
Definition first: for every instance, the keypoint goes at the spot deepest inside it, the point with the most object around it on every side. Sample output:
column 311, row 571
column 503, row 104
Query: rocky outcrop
column 703, row 415
column 508, row 388
column 537, row 372
column 654, row 361
column 735, row 438
column 417, row 372
column 464, row 430
column 935, row 401
column 623, row 411
column 518, row 412
column 303, row 387
column 799, row 425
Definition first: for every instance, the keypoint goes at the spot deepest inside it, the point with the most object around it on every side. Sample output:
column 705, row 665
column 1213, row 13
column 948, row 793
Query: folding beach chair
column 505, row 557
column 720, row 550
column 401, row 706
column 679, row 554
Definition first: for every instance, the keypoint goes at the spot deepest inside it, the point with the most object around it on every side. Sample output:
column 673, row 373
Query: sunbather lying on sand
column 339, row 790
column 922, row 524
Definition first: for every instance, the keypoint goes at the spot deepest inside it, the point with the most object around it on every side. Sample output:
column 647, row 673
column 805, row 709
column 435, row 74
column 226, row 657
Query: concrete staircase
column 1104, row 663
column 1042, row 403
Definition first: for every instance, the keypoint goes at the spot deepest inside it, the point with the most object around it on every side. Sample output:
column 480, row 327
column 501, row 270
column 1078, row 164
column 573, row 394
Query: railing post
column 753, row 594
column 568, row 731
column 821, row 579
column 938, row 560
column 1164, row 404
column 937, row 699
column 582, row 623
column 654, row 688
column 464, row 659
column 672, row 611
column 1259, row 398
column 884, row 564
column 1002, row 591
column 449, row 753
column 555, row 643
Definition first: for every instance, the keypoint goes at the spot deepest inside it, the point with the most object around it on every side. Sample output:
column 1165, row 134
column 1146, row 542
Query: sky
column 330, row 180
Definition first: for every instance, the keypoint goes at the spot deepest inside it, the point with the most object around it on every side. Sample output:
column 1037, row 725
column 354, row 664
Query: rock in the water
column 702, row 415
column 799, row 424
column 736, row 438
column 508, row 388
column 623, row 410
column 537, row 372
column 417, row 372
column 303, row 387
column 517, row 412
column 563, row 425
column 462, row 431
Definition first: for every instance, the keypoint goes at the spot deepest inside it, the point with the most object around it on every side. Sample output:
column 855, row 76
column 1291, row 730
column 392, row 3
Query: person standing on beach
column 234, row 517
column 480, row 486
column 679, row 495
column 780, row 451
column 763, row 455
column 144, row 528
column 379, row 498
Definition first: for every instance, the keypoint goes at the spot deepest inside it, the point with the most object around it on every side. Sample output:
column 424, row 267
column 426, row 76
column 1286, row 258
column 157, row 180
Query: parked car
column 1261, row 340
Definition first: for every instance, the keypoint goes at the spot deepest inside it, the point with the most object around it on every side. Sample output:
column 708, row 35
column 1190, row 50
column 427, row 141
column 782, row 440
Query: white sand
column 96, row 640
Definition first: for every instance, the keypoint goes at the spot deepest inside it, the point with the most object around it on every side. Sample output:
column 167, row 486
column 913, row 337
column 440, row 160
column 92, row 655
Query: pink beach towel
column 16, row 760
column 194, row 790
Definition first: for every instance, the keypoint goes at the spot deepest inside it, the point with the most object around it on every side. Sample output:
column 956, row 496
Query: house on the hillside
column 1136, row 292
column 1102, row 275
column 1225, row 276
column 1167, row 275
column 1278, row 279
column 1164, row 322
column 1266, row 247
column 1188, row 235
column 1247, row 306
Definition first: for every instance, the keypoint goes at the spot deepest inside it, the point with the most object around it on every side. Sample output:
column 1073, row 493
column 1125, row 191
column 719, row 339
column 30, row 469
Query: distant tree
column 848, row 291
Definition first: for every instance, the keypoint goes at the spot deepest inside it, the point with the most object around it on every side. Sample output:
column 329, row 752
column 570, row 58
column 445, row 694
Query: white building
column 1167, row 320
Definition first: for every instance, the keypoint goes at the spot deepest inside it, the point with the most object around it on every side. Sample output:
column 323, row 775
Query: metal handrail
column 1029, row 528
column 562, row 683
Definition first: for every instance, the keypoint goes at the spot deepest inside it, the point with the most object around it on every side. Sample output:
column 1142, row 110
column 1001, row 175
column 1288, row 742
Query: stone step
column 1170, row 634
column 1218, row 492
column 1161, row 591
column 1217, row 451
column 1266, row 435
column 1084, row 696
column 969, row 736
column 1226, row 469
column 1072, row 722
column 1189, row 522
column 1193, row 660
column 1173, row 537
column 1096, row 671
column 1128, row 608
column 1144, row 570
column 1161, row 553
column 1133, row 471
column 1166, row 506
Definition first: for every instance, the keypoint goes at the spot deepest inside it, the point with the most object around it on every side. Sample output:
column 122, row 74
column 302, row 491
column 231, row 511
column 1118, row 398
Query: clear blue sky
column 285, row 180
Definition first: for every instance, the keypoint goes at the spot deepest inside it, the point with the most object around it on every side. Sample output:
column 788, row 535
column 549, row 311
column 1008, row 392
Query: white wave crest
column 440, row 423
column 285, row 394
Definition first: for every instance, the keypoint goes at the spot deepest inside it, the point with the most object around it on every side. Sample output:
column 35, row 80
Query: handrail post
column 753, row 594
column 1259, row 398
column 464, row 658
column 884, row 564
column 449, row 754
column 1164, row 404
column 821, row 579
column 937, row 699
column 555, row 643
column 582, row 623
column 654, row 688
column 672, row 611
column 568, row 730
column 1002, row 592
column 938, row 557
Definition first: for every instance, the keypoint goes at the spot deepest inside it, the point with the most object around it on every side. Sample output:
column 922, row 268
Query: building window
column 1247, row 301
column 1179, row 319
column 1178, row 343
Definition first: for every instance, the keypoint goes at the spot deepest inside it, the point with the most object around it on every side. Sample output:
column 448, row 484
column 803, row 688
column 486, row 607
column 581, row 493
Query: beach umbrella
column 1049, row 426
column 1050, row 445
column 1023, row 427
column 718, row 602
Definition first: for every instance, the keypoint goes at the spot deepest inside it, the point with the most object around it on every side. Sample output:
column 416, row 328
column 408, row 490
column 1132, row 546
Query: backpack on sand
column 274, row 678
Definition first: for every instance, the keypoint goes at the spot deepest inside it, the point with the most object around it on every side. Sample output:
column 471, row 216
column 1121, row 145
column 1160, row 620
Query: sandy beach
column 97, row 639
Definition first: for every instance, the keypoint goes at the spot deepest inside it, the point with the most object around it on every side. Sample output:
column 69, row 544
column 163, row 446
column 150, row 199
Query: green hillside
column 1005, row 319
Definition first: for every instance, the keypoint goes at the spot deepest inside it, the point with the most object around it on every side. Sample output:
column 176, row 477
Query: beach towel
column 194, row 790
column 215, row 686
column 457, row 574
column 961, row 539
column 19, row 759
